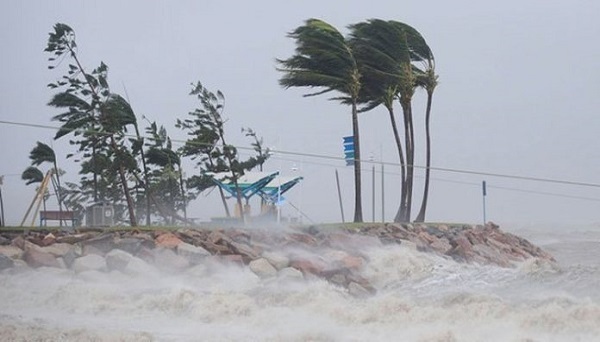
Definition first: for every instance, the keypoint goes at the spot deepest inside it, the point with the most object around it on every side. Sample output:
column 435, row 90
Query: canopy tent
column 273, row 191
column 268, row 185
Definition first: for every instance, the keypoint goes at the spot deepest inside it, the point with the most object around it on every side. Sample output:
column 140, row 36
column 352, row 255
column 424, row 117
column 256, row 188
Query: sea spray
column 420, row 296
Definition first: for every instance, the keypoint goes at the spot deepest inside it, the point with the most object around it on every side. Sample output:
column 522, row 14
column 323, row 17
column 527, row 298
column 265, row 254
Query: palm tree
column 429, row 81
column 324, row 59
column 377, row 51
column 40, row 154
column 386, row 51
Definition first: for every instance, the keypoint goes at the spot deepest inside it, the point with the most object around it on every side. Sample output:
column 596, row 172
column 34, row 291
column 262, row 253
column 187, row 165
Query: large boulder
column 100, row 244
column 168, row 240
column 90, row 262
column 262, row 268
column 278, row 260
column 4, row 241
column 35, row 258
column 308, row 265
column 58, row 249
column 138, row 267
column 5, row 262
column 12, row 252
column 117, row 260
column 129, row 245
column 194, row 254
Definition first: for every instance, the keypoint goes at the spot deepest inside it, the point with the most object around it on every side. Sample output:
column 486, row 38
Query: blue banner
column 349, row 139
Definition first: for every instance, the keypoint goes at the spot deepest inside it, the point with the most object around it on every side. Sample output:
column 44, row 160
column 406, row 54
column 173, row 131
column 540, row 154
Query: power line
column 478, row 184
column 328, row 157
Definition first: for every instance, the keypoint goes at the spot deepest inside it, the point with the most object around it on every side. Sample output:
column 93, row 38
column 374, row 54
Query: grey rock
column 194, row 254
column 278, row 260
column 12, row 252
column 70, row 257
column 290, row 273
column 357, row 290
column 137, row 267
column 58, row 249
column 5, row 262
column 90, row 262
column 262, row 268
column 117, row 260
column 129, row 245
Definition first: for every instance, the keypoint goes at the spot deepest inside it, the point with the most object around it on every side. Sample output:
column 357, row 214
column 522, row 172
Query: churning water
column 421, row 297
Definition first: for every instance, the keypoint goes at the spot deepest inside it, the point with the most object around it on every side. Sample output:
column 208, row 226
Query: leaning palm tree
column 429, row 81
column 324, row 59
column 386, row 51
column 42, row 153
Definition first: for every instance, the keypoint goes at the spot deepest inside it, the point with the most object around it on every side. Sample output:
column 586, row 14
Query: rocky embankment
column 331, row 253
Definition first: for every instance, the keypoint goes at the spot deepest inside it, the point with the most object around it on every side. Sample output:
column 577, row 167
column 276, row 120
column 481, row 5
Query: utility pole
column 373, row 209
column 337, row 180
column 2, row 223
column 484, row 190
column 382, row 195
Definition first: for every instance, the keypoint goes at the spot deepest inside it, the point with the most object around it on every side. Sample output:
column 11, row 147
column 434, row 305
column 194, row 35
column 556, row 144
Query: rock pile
column 465, row 243
column 330, row 253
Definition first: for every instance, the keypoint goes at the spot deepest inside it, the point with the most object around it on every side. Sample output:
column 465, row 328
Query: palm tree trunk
column 148, row 219
column 421, row 215
column 358, row 217
column 403, row 214
column 410, row 165
column 390, row 109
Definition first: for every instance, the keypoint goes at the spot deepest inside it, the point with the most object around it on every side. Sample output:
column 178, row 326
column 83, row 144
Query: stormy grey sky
column 518, row 95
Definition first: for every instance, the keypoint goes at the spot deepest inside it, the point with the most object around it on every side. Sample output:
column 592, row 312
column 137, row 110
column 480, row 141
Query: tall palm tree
column 386, row 51
column 376, row 47
column 429, row 81
column 324, row 59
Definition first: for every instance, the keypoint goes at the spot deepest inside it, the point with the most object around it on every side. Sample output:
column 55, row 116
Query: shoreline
column 331, row 252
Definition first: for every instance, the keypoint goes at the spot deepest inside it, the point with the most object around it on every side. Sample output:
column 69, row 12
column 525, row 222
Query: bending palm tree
column 386, row 50
column 429, row 81
column 324, row 59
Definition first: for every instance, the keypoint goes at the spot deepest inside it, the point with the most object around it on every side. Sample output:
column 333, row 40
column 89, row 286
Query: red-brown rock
column 36, row 258
column 167, row 240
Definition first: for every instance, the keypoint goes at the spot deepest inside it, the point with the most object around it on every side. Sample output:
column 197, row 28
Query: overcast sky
column 518, row 95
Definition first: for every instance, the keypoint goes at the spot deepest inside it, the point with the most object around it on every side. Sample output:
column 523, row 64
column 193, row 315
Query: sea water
column 420, row 297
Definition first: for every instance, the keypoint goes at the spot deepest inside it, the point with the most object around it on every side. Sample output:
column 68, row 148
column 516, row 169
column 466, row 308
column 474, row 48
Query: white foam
column 421, row 297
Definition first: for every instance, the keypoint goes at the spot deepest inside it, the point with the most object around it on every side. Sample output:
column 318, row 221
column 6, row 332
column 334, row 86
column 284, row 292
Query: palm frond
column 32, row 175
column 42, row 153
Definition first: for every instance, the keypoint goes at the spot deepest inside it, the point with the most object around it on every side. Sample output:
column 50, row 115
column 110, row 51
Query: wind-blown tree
column 94, row 114
column 385, row 51
column 429, row 81
column 43, row 153
column 324, row 59
column 165, row 178
column 208, row 146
